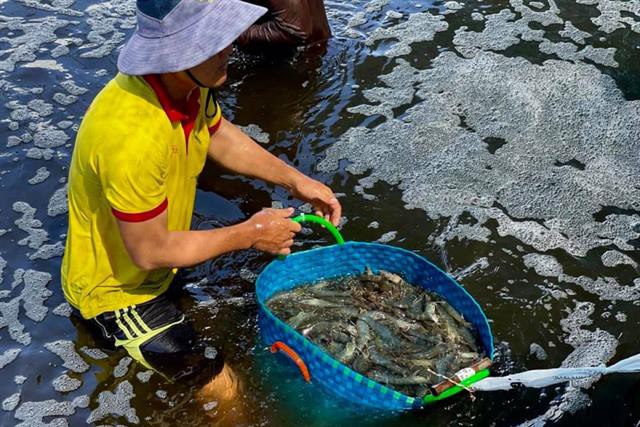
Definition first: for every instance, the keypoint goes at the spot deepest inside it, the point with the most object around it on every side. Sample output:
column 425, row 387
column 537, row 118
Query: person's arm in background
column 235, row 151
column 288, row 23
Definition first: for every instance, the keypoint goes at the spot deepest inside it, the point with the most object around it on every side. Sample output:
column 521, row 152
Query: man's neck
column 178, row 86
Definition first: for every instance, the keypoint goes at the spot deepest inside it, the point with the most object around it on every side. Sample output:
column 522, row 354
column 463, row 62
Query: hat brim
column 224, row 22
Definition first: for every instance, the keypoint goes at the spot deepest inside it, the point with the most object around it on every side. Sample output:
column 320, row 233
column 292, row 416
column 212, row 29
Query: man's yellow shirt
column 136, row 155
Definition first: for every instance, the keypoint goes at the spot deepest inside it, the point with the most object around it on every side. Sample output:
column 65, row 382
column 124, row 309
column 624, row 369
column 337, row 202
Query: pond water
column 500, row 140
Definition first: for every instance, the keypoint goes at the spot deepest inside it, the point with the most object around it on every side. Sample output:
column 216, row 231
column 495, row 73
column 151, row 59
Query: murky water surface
column 499, row 139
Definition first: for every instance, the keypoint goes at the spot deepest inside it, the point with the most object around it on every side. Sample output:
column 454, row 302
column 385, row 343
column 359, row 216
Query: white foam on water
column 418, row 27
column 117, row 403
column 20, row 112
column 48, row 251
column 11, row 402
column 65, row 124
column 145, row 376
column 94, row 353
column 47, row 64
column 525, row 178
column 35, row 34
column 63, row 310
column 501, row 31
column 106, row 19
column 47, row 136
column 64, row 384
column 65, row 100
column 72, row 88
column 452, row 7
column 59, row 51
column 460, row 231
column 35, row 294
column 387, row 99
column 393, row 14
column 33, row 413
column 9, row 319
column 8, row 356
column 58, row 202
column 3, row 264
column 569, row 51
column 18, row 276
column 41, row 176
column 123, row 367
column 591, row 348
column 27, row 223
column 387, row 237
column 610, row 259
column 375, row 5
column 66, row 351
column 13, row 141
column 39, row 153
column 606, row 288
column 479, row 265
column 621, row 317
column 538, row 351
column 573, row 33
column 57, row 6
column 544, row 265
column 357, row 19
column 611, row 14
column 42, row 108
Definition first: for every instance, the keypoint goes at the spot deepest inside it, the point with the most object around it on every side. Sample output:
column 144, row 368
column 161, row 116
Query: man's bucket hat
column 175, row 35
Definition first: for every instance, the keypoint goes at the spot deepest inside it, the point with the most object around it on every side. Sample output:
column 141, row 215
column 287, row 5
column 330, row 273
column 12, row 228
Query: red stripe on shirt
column 214, row 128
column 142, row 216
column 187, row 127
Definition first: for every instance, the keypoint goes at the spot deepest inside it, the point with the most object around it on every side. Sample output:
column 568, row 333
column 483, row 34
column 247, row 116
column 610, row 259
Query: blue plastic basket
column 348, row 259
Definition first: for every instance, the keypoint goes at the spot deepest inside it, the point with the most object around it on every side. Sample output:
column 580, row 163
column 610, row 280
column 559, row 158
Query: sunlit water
column 446, row 133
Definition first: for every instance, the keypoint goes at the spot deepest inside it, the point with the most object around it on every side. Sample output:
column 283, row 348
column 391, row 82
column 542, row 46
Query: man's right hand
column 273, row 230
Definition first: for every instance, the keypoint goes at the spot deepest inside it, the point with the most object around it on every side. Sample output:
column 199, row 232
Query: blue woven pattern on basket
column 347, row 260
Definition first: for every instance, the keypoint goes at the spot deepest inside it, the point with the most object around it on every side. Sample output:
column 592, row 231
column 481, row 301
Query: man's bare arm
column 151, row 245
column 234, row 150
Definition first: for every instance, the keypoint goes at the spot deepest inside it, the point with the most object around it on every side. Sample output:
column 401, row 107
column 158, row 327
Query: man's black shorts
column 157, row 335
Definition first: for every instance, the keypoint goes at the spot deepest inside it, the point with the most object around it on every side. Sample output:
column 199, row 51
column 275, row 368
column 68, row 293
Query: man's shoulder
column 125, row 107
column 125, row 99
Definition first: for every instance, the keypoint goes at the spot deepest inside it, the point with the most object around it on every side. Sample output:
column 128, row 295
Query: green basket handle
column 319, row 220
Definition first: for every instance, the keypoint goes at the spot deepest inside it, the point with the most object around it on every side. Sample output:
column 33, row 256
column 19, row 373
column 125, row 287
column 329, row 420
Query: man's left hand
column 320, row 196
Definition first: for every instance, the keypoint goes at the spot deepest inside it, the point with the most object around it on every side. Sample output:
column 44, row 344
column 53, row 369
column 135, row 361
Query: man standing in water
column 132, row 185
